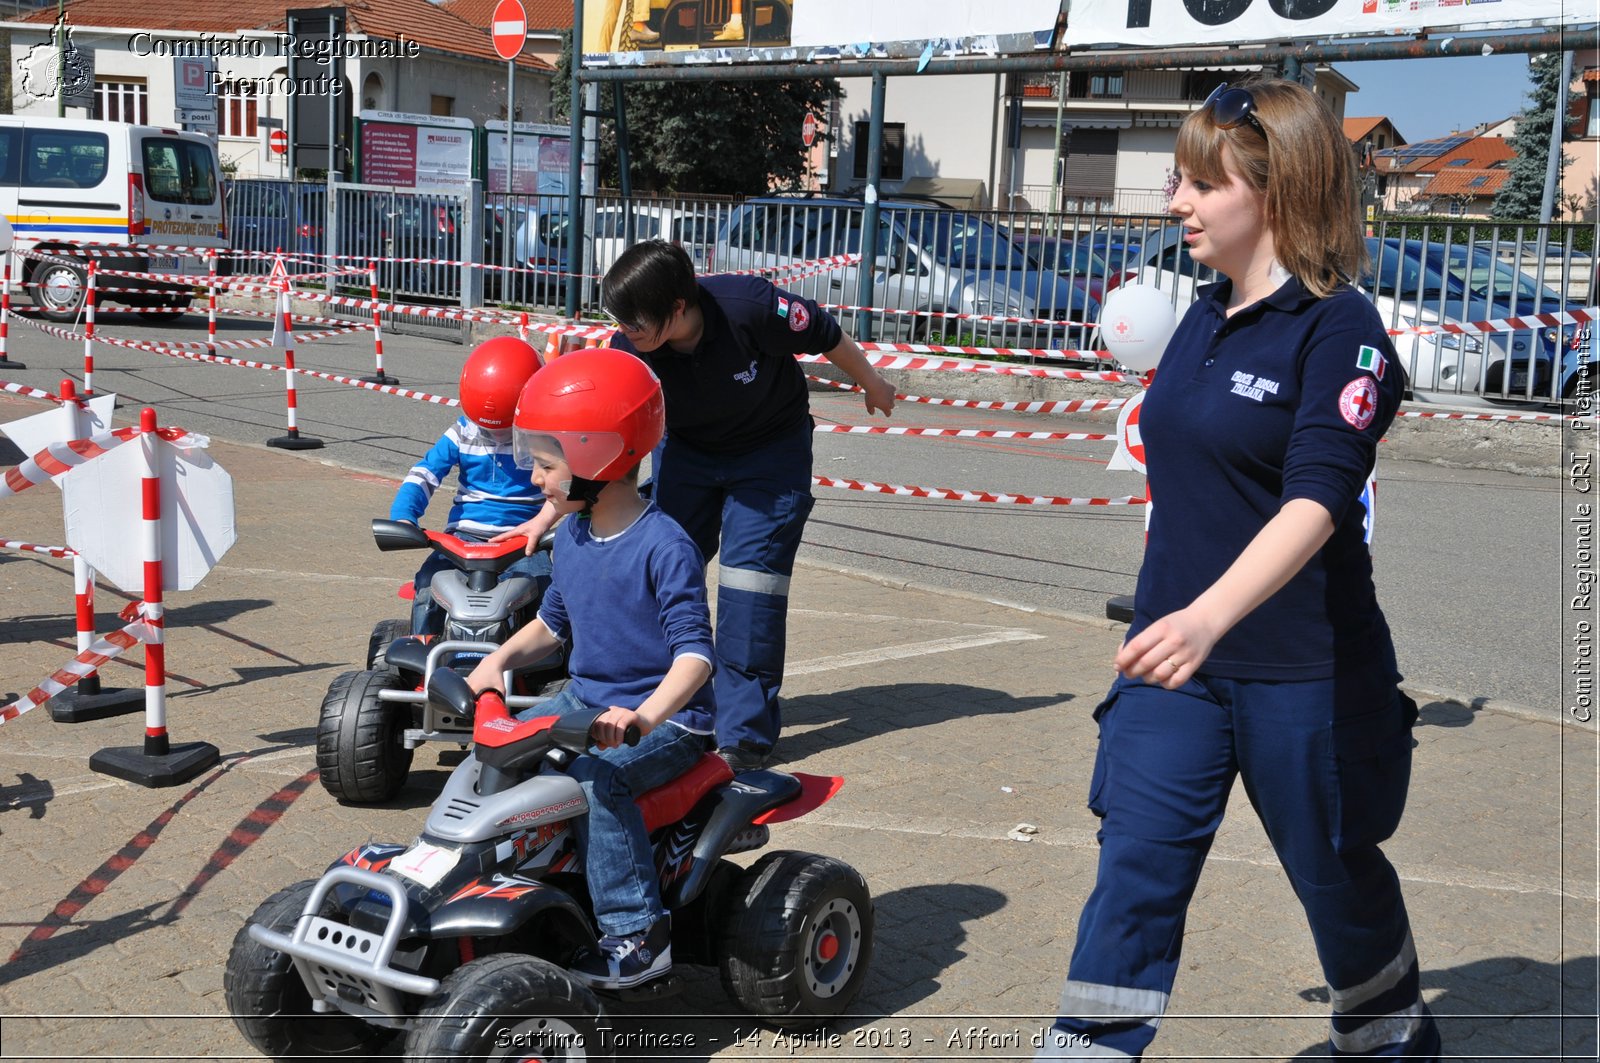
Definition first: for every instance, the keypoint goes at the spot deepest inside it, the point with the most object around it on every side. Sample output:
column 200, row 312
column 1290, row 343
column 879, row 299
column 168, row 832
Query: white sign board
column 191, row 84
column 1159, row 23
column 104, row 514
column 823, row 22
column 35, row 433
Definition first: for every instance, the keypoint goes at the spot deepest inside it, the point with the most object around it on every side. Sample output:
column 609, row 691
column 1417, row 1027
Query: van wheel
column 57, row 290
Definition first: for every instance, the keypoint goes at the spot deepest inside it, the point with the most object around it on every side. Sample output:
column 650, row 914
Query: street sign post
column 509, row 28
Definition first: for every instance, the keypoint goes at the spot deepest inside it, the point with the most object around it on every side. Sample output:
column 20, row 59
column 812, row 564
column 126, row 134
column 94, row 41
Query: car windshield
column 962, row 240
column 1064, row 256
column 1483, row 275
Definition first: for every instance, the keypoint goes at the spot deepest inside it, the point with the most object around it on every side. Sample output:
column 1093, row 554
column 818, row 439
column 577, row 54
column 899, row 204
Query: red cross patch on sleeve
column 1358, row 402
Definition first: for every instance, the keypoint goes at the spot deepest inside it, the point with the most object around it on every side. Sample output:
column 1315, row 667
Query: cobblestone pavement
column 954, row 720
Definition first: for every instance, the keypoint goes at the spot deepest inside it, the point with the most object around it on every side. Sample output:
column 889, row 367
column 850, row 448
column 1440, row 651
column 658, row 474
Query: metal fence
column 1011, row 279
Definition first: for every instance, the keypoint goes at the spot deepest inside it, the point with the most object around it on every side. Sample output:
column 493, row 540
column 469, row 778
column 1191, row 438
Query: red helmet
column 493, row 378
column 602, row 406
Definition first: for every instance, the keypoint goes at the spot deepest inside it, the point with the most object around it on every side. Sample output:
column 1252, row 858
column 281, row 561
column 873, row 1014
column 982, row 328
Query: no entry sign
column 278, row 141
column 509, row 27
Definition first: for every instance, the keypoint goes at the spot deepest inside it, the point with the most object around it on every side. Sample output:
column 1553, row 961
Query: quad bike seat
column 671, row 801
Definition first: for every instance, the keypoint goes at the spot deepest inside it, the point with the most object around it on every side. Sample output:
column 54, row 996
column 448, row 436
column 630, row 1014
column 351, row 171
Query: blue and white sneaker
column 622, row 962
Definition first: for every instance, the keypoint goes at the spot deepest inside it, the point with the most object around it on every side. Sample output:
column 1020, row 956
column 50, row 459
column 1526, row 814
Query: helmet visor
column 587, row 454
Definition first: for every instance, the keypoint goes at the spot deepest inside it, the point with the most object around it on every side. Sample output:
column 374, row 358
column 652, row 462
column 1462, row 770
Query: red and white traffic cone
column 158, row 762
column 378, row 376
column 5, row 316
column 284, row 333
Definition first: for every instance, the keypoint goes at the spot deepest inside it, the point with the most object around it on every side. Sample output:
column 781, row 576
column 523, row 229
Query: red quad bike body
column 460, row 941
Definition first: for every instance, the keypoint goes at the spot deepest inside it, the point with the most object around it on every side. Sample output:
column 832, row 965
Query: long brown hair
column 1305, row 169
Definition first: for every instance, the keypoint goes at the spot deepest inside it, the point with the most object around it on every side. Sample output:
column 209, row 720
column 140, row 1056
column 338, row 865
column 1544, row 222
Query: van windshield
column 179, row 171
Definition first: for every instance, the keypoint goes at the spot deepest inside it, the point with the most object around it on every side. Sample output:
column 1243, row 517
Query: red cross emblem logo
column 1358, row 402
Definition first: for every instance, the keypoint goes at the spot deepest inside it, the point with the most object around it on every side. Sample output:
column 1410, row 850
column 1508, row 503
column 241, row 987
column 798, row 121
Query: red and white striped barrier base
column 85, row 663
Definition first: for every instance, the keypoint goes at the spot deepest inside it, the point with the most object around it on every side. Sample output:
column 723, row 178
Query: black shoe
column 621, row 962
column 742, row 758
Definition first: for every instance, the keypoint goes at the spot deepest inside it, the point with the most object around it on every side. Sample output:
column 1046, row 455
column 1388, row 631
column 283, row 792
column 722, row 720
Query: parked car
column 610, row 232
column 268, row 215
column 1430, row 282
column 929, row 260
column 531, row 239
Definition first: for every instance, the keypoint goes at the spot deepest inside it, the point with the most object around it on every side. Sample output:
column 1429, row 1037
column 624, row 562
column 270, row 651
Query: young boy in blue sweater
column 492, row 494
column 629, row 593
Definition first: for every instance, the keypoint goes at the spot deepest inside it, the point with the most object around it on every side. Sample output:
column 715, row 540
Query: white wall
column 946, row 119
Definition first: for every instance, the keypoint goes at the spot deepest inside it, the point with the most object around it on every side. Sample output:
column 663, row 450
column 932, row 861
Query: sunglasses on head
column 1232, row 108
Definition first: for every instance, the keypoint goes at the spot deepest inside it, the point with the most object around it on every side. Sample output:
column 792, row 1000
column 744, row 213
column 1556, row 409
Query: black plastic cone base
column 1120, row 608
column 74, row 705
column 380, row 378
column 295, row 441
column 7, row 363
column 178, row 765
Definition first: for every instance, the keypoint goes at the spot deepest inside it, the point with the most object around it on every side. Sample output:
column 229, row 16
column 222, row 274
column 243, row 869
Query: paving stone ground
column 954, row 721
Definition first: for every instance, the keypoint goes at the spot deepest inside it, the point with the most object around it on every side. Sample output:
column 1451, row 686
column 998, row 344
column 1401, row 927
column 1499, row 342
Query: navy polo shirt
column 1286, row 399
column 741, row 388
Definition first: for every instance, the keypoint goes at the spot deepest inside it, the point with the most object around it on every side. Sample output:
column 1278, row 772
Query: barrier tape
column 27, row 392
column 801, row 272
column 173, row 346
column 50, row 551
column 953, row 315
column 885, row 361
column 953, row 495
column 58, row 458
column 90, row 660
column 1040, row 406
column 1441, row 415
column 958, row 433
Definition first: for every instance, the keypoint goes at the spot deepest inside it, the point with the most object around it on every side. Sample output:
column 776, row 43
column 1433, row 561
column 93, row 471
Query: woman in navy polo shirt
column 1257, row 647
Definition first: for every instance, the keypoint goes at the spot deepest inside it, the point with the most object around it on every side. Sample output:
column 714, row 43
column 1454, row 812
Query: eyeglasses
column 1232, row 108
column 625, row 326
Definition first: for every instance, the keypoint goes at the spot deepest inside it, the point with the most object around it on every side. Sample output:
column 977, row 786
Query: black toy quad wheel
column 269, row 1003
column 511, row 1007
column 361, row 749
column 383, row 633
column 797, row 939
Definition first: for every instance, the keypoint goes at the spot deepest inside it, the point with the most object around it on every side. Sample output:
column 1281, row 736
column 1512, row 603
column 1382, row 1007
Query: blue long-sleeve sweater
column 492, row 494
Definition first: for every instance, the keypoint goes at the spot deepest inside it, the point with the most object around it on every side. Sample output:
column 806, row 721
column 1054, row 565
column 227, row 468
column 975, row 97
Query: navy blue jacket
column 1287, row 399
column 740, row 388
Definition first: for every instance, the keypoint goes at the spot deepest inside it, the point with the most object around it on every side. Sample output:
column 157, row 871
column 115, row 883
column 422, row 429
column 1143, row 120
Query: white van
column 70, row 182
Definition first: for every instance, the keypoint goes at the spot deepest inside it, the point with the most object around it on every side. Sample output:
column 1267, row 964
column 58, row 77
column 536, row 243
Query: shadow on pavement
column 869, row 712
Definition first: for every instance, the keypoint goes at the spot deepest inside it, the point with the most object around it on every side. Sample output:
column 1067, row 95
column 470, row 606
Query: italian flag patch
column 1372, row 360
column 783, row 307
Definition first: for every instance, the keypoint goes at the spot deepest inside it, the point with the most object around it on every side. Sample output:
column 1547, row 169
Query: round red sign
column 509, row 27
column 278, row 141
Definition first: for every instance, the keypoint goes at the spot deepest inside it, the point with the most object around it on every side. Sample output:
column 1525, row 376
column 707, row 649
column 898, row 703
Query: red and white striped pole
column 378, row 376
column 5, row 316
column 158, row 763
column 211, row 307
column 86, row 700
column 88, row 332
column 292, row 439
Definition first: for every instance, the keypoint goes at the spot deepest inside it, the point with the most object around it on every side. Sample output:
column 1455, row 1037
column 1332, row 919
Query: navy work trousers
column 753, row 506
column 1326, row 764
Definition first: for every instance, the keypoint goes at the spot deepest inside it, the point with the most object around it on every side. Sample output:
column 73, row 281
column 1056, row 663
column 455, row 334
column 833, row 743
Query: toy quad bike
column 461, row 940
column 373, row 720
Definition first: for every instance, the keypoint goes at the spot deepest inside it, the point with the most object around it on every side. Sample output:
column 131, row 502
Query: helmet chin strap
column 587, row 491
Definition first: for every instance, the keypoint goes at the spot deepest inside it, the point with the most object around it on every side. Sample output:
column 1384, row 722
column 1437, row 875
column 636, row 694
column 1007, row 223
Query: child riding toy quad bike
column 461, row 941
column 373, row 720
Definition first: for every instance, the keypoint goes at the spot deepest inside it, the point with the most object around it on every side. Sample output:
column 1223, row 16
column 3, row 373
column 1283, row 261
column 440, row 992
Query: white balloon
column 1136, row 321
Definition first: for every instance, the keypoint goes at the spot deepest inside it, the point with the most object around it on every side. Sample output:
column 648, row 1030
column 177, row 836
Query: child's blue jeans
column 612, row 841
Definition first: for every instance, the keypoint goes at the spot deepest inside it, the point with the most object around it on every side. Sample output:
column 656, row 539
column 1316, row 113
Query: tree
column 1521, row 195
column 708, row 137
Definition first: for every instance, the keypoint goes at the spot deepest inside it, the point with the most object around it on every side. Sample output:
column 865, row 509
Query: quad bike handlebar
column 504, row 744
column 403, row 535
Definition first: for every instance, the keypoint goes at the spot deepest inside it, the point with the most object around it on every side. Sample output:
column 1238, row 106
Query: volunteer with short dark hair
column 1257, row 647
column 735, row 470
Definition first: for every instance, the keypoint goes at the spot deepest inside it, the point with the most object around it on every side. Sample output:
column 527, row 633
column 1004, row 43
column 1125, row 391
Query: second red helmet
column 603, row 406
column 493, row 378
